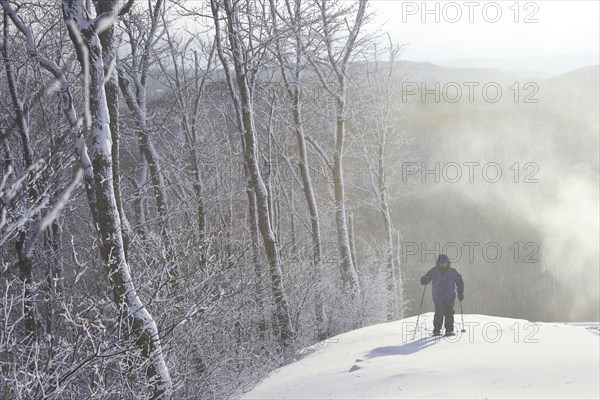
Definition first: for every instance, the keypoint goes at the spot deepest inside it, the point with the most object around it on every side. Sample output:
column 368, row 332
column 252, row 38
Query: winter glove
column 461, row 297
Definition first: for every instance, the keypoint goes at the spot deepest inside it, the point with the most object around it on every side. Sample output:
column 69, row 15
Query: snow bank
column 495, row 358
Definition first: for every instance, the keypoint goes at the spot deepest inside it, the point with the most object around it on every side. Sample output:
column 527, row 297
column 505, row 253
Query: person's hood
column 442, row 258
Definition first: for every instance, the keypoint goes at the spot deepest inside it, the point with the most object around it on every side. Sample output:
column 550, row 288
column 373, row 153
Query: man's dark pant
column 444, row 311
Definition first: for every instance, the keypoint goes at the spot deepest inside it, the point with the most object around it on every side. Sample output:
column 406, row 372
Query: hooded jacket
column 443, row 282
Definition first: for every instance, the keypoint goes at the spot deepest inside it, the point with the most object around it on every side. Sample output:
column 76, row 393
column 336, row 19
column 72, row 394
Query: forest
column 192, row 192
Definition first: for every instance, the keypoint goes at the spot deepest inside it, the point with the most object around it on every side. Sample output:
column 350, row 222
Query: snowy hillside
column 495, row 358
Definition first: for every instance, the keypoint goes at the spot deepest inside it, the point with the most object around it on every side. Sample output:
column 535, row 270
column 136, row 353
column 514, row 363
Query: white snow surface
column 496, row 358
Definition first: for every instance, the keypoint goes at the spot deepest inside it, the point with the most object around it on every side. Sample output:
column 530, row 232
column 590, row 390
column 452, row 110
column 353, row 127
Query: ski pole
column 419, row 315
column 462, row 317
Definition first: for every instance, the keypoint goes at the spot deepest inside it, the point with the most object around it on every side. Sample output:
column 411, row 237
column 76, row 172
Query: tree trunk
column 245, row 107
column 338, row 64
column 293, row 86
column 143, row 327
column 391, row 278
column 258, row 272
column 147, row 150
column 111, row 87
column 398, row 276
column 348, row 273
column 32, row 318
column 137, row 104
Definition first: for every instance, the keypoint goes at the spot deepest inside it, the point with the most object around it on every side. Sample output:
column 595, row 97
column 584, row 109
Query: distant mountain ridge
column 551, row 63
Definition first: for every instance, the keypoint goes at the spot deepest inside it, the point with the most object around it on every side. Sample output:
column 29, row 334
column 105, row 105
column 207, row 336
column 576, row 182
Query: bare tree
column 83, row 30
column 379, row 137
column 245, row 54
column 188, row 93
column 32, row 189
column 330, row 62
column 28, row 186
column 142, row 31
column 111, row 87
column 292, row 63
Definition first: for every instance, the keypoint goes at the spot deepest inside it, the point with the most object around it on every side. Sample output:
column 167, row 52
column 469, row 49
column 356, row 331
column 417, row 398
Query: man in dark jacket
column 444, row 278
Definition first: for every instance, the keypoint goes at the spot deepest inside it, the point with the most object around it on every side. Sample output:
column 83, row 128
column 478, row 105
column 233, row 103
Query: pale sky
column 562, row 27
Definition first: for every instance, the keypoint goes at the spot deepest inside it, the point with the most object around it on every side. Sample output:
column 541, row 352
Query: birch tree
column 83, row 29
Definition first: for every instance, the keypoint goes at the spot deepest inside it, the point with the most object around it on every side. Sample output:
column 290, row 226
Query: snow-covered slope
column 495, row 358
